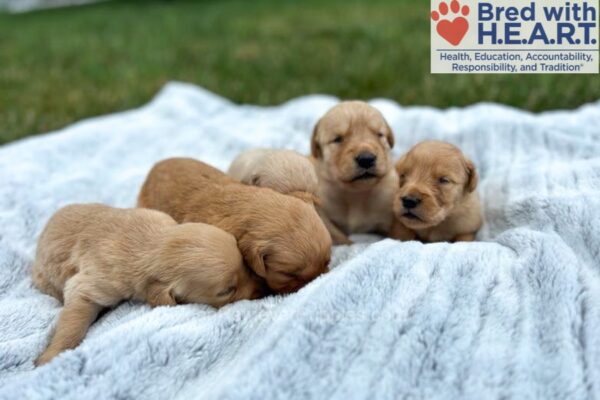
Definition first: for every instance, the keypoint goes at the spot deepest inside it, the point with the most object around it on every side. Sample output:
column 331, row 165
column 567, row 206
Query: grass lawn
column 59, row 66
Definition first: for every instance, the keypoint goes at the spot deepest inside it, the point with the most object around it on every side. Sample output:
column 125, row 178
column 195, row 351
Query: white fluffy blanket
column 515, row 315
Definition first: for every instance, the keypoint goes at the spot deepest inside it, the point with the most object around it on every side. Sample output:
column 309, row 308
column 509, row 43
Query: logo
column 509, row 36
column 452, row 30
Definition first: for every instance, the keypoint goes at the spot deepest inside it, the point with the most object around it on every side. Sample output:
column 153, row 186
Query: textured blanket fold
column 514, row 315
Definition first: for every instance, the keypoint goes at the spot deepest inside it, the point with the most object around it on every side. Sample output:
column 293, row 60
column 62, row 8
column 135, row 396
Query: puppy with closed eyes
column 436, row 198
column 281, row 237
column 285, row 171
column 350, row 149
column 92, row 256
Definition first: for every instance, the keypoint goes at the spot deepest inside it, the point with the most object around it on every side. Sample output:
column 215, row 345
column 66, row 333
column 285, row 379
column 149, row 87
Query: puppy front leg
column 464, row 237
column 400, row 232
column 337, row 236
column 75, row 318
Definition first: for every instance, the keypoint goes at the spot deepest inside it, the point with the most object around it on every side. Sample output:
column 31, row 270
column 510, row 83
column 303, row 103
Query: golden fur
column 92, row 256
column 285, row 171
column 355, row 198
column 281, row 237
column 438, row 183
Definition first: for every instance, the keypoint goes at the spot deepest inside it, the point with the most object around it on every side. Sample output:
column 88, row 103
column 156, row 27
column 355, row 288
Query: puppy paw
column 341, row 240
column 159, row 295
column 464, row 237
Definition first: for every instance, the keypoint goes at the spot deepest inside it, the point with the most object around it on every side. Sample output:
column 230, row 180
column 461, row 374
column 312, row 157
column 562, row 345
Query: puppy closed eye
column 444, row 180
column 380, row 134
column 229, row 291
column 402, row 178
column 338, row 139
column 289, row 275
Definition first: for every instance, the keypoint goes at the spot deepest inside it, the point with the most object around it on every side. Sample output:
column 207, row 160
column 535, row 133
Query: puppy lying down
column 92, row 256
column 281, row 237
column 436, row 199
column 285, row 171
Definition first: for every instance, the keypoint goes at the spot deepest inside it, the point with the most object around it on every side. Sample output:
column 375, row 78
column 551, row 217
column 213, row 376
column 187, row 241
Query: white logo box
column 508, row 36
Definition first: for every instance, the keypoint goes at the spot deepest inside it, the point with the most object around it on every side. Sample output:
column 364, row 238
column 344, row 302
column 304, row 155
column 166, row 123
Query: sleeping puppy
column 351, row 147
column 92, row 256
column 285, row 171
column 281, row 237
column 436, row 199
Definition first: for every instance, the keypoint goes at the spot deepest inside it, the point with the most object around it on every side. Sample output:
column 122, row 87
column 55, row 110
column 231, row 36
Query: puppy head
column 285, row 171
column 434, row 177
column 206, row 266
column 286, row 243
column 353, row 140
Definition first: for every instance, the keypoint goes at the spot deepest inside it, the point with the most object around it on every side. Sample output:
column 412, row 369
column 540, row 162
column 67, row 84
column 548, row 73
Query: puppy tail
column 306, row 197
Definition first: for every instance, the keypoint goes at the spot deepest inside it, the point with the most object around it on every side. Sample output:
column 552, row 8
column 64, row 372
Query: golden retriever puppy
column 436, row 199
column 281, row 237
column 350, row 148
column 92, row 256
column 285, row 171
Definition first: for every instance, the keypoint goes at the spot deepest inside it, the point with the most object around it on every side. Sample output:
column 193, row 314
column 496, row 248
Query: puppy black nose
column 410, row 202
column 366, row 159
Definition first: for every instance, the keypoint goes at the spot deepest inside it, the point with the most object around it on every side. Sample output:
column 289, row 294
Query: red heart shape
column 454, row 31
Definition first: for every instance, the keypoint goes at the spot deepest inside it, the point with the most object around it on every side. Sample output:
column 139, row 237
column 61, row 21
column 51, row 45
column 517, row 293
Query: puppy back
column 171, row 183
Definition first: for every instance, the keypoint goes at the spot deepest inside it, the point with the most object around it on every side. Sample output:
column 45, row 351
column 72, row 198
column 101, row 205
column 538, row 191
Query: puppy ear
column 390, row 136
column 253, row 256
column 306, row 197
column 255, row 180
column 473, row 176
column 399, row 163
column 315, row 147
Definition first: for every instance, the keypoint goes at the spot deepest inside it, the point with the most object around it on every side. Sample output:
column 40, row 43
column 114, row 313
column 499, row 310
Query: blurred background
column 60, row 65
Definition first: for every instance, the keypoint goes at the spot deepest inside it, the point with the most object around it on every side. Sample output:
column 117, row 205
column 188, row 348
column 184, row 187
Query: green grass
column 59, row 66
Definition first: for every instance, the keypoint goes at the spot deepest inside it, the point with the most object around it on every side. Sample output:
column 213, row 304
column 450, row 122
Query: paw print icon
column 451, row 22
